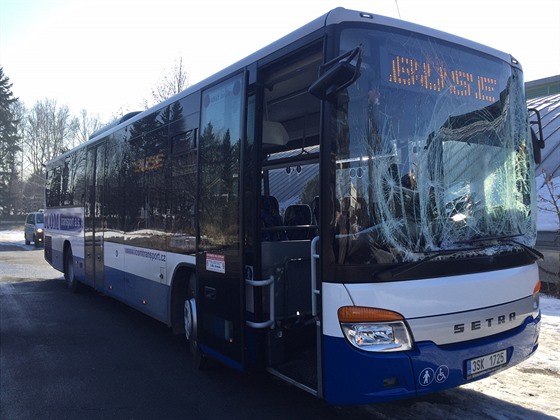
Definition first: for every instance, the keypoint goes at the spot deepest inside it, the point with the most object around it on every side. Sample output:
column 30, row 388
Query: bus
column 351, row 208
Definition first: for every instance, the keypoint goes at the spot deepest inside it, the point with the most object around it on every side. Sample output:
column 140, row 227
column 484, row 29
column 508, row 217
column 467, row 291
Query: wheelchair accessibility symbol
column 427, row 376
column 442, row 373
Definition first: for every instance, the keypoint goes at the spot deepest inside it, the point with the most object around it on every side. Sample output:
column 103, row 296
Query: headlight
column 39, row 230
column 375, row 330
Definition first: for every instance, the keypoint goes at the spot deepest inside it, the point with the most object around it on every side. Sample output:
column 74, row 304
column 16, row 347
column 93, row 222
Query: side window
column 48, row 187
column 78, row 177
column 218, row 212
column 53, row 187
column 66, row 197
column 182, row 188
column 115, row 205
column 155, row 182
column 183, row 142
column 146, row 160
column 182, row 185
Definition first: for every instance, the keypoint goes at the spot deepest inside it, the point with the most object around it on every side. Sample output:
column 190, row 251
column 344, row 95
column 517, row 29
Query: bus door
column 93, row 223
column 288, row 216
column 220, row 287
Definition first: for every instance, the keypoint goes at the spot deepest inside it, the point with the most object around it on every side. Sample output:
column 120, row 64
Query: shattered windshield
column 431, row 151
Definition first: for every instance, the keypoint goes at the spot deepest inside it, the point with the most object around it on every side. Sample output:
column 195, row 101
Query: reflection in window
column 219, row 165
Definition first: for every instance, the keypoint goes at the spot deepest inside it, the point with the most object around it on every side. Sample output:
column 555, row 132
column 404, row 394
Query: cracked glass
column 432, row 152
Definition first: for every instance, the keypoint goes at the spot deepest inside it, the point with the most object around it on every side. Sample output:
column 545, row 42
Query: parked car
column 34, row 228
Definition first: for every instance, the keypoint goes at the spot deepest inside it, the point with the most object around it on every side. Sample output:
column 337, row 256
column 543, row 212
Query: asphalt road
column 87, row 356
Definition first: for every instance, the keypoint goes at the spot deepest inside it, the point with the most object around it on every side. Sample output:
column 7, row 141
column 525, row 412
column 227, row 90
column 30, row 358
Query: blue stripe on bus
column 220, row 357
column 366, row 378
column 147, row 296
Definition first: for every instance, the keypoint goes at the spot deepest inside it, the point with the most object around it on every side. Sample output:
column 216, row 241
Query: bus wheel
column 191, row 326
column 69, row 275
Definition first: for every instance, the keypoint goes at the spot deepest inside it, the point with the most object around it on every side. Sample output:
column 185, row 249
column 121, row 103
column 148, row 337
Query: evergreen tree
column 9, row 144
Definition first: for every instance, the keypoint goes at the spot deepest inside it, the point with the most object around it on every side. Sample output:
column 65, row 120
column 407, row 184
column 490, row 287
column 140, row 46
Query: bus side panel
column 148, row 296
column 142, row 277
column 66, row 226
column 113, row 258
column 145, row 280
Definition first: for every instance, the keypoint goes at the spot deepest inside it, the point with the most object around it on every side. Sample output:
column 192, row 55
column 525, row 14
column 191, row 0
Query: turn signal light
column 365, row 314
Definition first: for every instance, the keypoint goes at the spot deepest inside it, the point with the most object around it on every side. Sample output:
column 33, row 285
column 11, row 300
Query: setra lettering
column 486, row 323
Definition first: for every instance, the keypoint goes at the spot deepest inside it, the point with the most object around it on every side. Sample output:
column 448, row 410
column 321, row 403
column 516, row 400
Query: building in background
column 544, row 95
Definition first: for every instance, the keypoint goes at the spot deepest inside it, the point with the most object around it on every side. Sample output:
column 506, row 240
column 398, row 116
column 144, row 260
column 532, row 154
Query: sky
column 105, row 56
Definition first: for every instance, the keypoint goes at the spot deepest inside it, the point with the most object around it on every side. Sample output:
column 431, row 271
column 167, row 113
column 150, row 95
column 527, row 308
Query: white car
column 34, row 228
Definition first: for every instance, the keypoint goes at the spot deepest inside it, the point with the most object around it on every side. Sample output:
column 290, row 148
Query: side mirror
column 536, row 147
column 537, row 141
column 337, row 74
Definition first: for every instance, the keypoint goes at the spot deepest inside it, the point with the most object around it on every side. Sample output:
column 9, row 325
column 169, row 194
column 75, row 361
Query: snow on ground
column 13, row 238
column 529, row 390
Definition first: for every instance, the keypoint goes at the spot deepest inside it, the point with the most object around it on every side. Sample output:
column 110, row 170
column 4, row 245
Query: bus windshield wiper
column 490, row 238
column 392, row 272
column 534, row 253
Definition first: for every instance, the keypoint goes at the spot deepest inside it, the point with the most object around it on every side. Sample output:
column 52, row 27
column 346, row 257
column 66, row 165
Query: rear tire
column 69, row 274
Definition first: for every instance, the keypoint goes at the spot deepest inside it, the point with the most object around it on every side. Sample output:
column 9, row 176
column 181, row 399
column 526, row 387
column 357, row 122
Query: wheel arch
column 177, row 296
column 65, row 247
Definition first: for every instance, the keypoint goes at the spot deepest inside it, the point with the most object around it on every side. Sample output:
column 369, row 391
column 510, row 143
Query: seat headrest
column 275, row 133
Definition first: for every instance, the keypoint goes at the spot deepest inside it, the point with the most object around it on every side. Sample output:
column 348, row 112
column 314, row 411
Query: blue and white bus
column 351, row 208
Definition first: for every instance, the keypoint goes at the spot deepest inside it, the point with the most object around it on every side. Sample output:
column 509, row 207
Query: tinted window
column 219, row 165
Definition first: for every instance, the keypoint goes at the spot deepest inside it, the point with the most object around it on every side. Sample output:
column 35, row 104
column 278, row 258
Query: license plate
column 483, row 364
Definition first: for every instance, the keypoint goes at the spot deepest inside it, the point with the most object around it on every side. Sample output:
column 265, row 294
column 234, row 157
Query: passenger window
column 219, row 146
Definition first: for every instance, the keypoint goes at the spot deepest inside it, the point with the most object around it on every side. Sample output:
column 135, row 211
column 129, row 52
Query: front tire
column 201, row 361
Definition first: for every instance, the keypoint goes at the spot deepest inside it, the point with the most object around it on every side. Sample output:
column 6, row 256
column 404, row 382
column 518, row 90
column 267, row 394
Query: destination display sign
column 459, row 75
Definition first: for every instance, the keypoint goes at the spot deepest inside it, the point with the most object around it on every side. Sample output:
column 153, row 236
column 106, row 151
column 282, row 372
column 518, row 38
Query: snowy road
column 528, row 391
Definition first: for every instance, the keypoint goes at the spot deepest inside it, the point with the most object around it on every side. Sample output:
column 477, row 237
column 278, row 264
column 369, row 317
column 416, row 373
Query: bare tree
column 86, row 126
column 172, row 82
column 49, row 131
